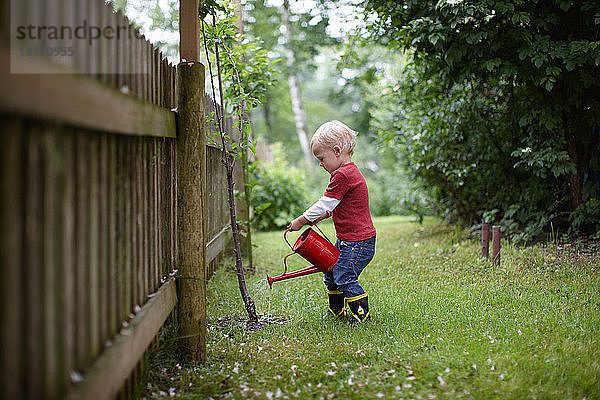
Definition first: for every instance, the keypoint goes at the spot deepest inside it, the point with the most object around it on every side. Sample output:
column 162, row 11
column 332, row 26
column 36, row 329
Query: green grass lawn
column 446, row 324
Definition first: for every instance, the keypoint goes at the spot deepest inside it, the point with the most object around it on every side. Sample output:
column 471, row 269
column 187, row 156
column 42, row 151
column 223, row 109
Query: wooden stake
column 485, row 239
column 496, row 245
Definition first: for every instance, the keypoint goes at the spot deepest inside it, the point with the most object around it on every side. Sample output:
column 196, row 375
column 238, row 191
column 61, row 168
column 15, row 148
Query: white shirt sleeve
column 324, row 205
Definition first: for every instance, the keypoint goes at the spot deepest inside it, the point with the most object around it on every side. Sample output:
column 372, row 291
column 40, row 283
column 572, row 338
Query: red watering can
column 315, row 249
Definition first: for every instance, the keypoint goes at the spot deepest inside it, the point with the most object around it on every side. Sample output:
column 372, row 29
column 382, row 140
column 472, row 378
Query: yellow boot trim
column 343, row 310
column 361, row 318
column 360, row 296
column 366, row 316
column 361, row 311
column 338, row 314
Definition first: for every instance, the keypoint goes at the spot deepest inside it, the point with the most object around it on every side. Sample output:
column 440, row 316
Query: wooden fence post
column 485, row 239
column 496, row 245
column 191, row 178
column 189, row 30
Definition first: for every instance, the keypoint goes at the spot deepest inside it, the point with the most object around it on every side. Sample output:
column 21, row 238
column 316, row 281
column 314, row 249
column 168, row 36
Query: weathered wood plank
column 81, row 56
column 11, row 258
column 137, row 282
column 92, row 244
column 80, row 101
column 155, row 75
column 103, row 219
column 173, row 202
column 32, row 293
column 133, row 264
column 153, row 229
column 70, row 256
column 121, row 54
column 217, row 244
column 108, row 374
column 123, row 228
column 113, row 185
column 52, row 164
column 81, row 240
column 93, row 50
column 145, row 225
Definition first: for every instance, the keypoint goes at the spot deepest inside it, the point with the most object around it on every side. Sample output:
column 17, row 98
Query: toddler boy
column 346, row 199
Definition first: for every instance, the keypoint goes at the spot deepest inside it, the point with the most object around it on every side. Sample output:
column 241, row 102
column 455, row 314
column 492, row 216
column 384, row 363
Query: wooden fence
column 88, row 211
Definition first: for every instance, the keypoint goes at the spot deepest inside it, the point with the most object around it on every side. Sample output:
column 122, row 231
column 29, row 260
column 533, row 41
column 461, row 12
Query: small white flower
column 76, row 377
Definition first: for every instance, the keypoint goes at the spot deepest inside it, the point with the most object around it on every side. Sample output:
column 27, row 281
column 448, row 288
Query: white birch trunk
column 295, row 94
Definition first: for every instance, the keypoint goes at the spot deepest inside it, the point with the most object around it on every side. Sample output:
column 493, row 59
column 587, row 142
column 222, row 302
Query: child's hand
column 298, row 223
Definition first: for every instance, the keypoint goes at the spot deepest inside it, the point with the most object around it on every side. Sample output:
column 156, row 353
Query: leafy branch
column 220, row 36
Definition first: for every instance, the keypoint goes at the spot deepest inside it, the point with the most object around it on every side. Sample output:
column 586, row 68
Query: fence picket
column 69, row 260
column 50, row 221
column 81, row 249
column 33, row 371
column 113, row 239
column 11, row 233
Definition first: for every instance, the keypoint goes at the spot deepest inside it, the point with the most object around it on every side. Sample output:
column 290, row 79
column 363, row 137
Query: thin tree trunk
column 579, row 141
column 267, row 113
column 239, row 267
column 576, row 178
column 295, row 94
column 229, row 164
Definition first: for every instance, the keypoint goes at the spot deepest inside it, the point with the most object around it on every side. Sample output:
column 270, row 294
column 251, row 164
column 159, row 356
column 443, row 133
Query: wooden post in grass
column 485, row 239
column 191, row 173
column 191, row 170
column 496, row 245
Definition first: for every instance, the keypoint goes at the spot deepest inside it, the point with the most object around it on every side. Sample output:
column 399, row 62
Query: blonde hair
column 335, row 133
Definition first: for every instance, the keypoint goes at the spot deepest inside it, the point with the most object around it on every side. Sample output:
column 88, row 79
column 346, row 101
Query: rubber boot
column 336, row 304
column 358, row 307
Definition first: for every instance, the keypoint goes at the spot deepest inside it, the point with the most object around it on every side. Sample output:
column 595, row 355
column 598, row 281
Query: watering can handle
column 285, row 262
column 325, row 236
column 315, row 225
column 285, row 238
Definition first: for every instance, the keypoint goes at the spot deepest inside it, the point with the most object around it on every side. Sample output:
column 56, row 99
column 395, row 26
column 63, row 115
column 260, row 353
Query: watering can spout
column 315, row 249
column 300, row 272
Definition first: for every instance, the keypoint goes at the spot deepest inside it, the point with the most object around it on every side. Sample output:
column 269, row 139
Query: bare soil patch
column 242, row 323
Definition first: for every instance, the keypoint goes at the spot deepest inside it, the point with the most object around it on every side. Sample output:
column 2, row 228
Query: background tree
column 295, row 31
column 499, row 86
column 295, row 92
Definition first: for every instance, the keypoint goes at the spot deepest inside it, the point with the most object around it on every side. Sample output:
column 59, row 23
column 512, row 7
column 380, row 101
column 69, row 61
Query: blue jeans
column 354, row 257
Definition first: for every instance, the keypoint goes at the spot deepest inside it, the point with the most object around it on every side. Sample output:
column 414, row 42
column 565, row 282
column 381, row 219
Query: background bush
column 278, row 193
